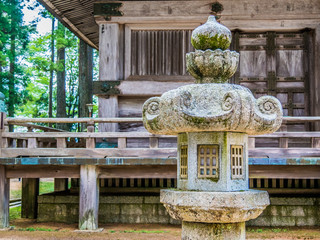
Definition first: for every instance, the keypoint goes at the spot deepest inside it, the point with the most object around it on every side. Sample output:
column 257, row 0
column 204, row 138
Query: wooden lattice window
column 184, row 161
column 237, row 162
column 208, row 161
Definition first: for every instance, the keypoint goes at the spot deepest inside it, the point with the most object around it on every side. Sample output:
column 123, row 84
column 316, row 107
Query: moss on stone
column 205, row 41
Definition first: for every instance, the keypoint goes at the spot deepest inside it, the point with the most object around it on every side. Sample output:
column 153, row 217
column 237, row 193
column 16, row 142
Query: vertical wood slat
column 146, row 182
column 133, row 57
column 128, row 52
column 250, row 182
column 139, row 182
column 4, row 199
column 266, row 183
column 259, row 183
column 159, row 52
column 117, row 182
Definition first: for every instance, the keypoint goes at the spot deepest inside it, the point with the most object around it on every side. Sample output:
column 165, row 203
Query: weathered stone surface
column 211, row 107
column 213, row 231
column 211, row 35
column 212, row 66
column 214, row 207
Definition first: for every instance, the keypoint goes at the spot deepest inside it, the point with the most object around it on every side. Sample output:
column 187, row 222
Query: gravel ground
column 29, row 229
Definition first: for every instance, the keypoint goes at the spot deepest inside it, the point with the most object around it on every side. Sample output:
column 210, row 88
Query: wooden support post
column 89, row 198
column 110, row 69
column 29, row 200
column 30, row 191
column 60, row 184
column 4, row 198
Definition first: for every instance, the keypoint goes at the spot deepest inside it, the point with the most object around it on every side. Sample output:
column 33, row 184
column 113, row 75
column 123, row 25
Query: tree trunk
column 85, row 78
column 61, row 80
column 51, row 70
column 12, row 97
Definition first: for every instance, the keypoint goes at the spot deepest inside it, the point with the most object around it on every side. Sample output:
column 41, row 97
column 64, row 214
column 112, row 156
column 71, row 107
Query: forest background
column 39, row 73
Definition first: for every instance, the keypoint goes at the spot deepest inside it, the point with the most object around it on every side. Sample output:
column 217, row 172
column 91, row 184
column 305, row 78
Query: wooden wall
column 278, row 43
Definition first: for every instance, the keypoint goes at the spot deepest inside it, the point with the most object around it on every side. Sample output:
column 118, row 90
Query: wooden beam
column 67, row 161
column 70, row 120
column 284, row 152
column 4, row 198
column 42, row 171
column 91, row 153
column 91, row 135
column 126, row 120
column 29, row 199
column 284, row 172
column 89, row 198
column 144, row 171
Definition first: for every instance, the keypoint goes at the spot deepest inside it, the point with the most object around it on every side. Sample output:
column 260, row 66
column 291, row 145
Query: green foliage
column 46, row 187
column 14, row 38
column 40, row 229
column 25, row 62
column 15, row 213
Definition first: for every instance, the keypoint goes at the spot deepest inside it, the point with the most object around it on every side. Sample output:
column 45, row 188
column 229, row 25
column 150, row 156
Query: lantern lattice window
column 184, row 161
column 208, row 161
column 237, row 162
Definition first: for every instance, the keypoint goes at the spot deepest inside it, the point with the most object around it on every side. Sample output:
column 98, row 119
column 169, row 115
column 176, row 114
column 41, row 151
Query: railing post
column 90, row 142
column 315, row 143
column 283, row 142
column 122, row 143
column 61, row 184
column 251, row 143
column 3, row 141
column 4, row 198
column 153, row 142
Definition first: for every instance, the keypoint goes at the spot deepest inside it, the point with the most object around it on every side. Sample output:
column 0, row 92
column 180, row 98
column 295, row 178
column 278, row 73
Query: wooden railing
column 32, row 146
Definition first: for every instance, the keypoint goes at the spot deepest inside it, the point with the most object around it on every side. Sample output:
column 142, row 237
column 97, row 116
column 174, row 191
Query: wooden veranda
column 285, row 169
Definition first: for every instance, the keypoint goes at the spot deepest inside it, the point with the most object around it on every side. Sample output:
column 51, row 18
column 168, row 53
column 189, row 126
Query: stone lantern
column 212, row 120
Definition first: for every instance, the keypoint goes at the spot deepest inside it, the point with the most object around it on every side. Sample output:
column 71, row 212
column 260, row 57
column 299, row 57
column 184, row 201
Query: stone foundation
column 283, row 211
column 293, row 211
column 112, row 209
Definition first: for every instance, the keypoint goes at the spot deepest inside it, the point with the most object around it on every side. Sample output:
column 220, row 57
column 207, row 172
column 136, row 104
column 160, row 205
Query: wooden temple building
column 142, row 47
